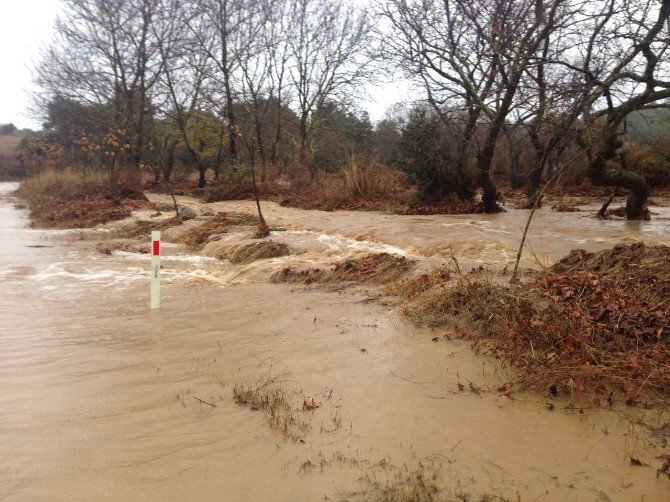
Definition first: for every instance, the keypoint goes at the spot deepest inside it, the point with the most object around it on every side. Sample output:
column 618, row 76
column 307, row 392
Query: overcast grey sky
column 26, row 26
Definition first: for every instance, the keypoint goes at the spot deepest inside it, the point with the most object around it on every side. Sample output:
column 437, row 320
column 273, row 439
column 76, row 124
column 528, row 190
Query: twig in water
column 204, row 402
column 535, row 207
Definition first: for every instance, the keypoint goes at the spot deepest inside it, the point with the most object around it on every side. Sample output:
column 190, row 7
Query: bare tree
column 470, row 56
column 612, row 60
column 328, row 42
column 185, row 69
column 232, row 26
column 103, row 53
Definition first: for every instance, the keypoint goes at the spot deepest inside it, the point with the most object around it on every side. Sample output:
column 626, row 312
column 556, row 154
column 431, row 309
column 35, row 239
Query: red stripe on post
column 156, row 248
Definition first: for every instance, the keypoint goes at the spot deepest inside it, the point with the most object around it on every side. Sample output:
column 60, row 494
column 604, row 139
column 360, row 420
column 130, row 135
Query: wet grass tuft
column 143, row 228
column 419, row 485
column 281, row 409
column 108, row 247
column 250, row 252
column 220, row 223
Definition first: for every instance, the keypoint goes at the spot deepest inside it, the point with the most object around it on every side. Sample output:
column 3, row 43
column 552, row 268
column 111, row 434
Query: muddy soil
column 103, row 399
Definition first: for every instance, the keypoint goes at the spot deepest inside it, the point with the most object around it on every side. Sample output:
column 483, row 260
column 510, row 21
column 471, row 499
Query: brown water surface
column 98, row 393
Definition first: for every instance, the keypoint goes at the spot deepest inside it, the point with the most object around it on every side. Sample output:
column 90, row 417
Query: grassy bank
column 65, row 199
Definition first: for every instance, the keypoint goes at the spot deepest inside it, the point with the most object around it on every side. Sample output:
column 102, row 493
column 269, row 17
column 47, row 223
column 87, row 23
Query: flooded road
column 102, row 399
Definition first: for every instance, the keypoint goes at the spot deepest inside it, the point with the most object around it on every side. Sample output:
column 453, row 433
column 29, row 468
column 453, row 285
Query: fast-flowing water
column 102, row 399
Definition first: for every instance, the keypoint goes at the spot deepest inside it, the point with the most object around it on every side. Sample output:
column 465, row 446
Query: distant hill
column 648, row 124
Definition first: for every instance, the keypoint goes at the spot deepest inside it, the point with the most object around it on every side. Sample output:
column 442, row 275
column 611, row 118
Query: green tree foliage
column 7, row 129
column 340, row 133
column 429, row 159
column 386, row 137
column 67, row 119
column 648, row 124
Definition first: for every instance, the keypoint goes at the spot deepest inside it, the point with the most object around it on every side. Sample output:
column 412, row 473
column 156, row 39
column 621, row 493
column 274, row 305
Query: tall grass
column 70, row 184
column 67, row 199
column 362, row 180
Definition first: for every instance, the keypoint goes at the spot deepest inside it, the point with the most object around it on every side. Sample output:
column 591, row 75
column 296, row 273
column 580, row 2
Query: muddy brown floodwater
column 98, row 396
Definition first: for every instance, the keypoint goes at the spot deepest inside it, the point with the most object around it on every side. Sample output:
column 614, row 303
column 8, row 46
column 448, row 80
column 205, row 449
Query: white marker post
column 155, row 270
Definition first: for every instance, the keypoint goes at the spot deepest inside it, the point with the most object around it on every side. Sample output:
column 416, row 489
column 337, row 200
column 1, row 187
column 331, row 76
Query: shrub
column 652, row 160
column 426, row 155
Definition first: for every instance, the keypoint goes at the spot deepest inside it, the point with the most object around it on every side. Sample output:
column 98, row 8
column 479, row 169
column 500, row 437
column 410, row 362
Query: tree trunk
column 169, row 161
column 490, row 194
column 514, row 158
column 535, row 180
column 201, row 175
column 303, row 139
column 230, row 113
column 277, row 138
column 219, row 155
column 601, row 176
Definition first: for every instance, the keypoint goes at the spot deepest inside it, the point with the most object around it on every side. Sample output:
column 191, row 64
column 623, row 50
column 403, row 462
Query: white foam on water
column 344, row 245
column 180, row 258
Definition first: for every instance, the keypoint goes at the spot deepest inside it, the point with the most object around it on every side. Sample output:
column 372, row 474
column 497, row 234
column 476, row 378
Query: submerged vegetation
column 283, row 410
column 381, row 268
column 595, row 322
column 250, row 252
column 220, row 223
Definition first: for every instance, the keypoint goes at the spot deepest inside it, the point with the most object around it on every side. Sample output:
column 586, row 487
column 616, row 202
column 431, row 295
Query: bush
column 651, row 160
column 426, row 155
column 362, row 181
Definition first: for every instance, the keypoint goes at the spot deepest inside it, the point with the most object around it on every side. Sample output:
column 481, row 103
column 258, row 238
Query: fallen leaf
column 310, row 404
column 505, row 388
column 637, row 462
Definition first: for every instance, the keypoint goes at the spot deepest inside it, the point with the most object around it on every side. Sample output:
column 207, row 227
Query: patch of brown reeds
column 363, row 184
column 253, row 251
column 67, row 199
column 143, row 228
column 376, row 268
column 218, row 224
column 565, row 206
